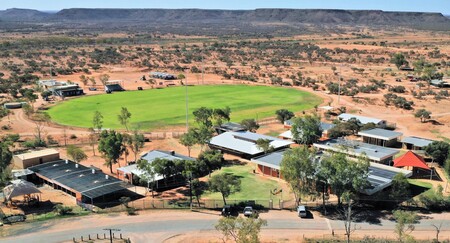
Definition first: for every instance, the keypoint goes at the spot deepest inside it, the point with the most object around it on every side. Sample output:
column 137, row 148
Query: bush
column 73, row 136
column 63, row 210
column 435, row 200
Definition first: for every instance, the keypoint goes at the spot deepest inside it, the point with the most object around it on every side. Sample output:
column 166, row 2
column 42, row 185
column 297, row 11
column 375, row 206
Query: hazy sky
column 442, row 6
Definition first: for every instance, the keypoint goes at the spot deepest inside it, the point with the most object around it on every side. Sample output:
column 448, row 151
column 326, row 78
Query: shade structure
column 411, row 159
column 19, row 188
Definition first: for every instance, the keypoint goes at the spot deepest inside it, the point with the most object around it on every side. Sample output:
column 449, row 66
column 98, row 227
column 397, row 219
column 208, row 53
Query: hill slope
column 227, row 18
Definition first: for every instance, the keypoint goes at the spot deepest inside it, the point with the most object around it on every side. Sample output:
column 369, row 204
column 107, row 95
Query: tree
column 84, row 80
column 284, row 115
column 399, row 60
column 400, row 190
column 212, row 159
column 40, row 120
column 203, row 116
column 221, row 115
column 30, row 96
column 111, row 147
column 136, row 143
column 240, row 230
column 250, row 124
column 298, row 169
column 226, row 184
column 75, row 153
column 164, row 167
column 405, row 224
column 306, row 130
column 124, row 117
column 104, row 78
column 198, row 188
column 203, row 135
column 148, row 174
column 438, row 150
column 5, row 161
column 348, row 214
column 423, row 115
column 92, row 80
column 264, row 145
column 97, row 121
column 92, row 139
column 344, row 174
column 188, row 140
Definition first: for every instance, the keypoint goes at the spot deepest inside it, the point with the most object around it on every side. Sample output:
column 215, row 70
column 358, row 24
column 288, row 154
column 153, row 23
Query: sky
column 441, row 6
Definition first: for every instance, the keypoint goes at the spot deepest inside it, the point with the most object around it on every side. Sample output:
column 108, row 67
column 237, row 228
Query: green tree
column 422, row 114
column 203, row 135
column 298, row 169
column 104, row 78
column 344, row 174
column 5, row 161
column 164, row 167
column 399, row 60
column 111, row 147
column 136, row 143
column 226, row 184
column 97, row 121
column 307, row 129
column 75, row 153
column 189, row 139
column 148, row 174
column 250, row 124
column 221, row 115
column 84, row 80
column 438, row 150
column 30, row 96
column 203, row 116
column 264, row 145
column 212, row 159
column 198, row 188
column 240, row 230
column 284, row 115
column 124, row 117
column 400, row 190
column 405, row 224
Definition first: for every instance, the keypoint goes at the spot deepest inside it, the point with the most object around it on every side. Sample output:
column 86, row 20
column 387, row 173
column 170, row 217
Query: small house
column 25, row 160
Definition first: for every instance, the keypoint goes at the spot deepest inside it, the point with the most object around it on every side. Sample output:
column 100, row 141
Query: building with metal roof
column 243, row 143
column 229, row 127
column 131, row 173
column 381, row 137
column 353, row 148
column 380, row 176
column 363, row 119
column 86, row 184
column 415, row 143
column 324, row 126
column 25, row 160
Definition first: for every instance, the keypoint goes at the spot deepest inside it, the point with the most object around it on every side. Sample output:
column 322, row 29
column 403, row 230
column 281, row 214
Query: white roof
column 362, row 119
column 37, row 154
column 379, row 133
column 245, row 142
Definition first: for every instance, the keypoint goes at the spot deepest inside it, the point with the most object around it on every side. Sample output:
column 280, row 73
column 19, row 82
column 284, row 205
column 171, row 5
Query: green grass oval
column 156, row 108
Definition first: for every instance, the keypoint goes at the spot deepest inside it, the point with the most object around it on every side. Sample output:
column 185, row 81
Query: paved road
column 156, row 226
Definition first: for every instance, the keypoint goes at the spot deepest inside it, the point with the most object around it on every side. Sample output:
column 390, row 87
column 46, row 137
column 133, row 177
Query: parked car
column 248, row 211
column 92, row 89
column 301, row 211
column 228, row 211
column 140, row 88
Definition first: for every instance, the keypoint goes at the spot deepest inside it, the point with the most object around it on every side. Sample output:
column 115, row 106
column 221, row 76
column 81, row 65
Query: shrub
column 73, row 136
column 63, row 210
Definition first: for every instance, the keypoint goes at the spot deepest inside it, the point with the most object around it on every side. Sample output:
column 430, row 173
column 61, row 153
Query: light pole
column 339, row 83
column 187, row 107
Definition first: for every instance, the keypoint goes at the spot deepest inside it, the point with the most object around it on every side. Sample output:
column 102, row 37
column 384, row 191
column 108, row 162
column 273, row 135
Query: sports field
column 157, row 108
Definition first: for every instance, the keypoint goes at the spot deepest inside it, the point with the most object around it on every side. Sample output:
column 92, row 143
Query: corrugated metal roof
column 79, row 178
column 351, row 147
column 324, row 126
column 416, row 141
column 245, row 142
column 380, row 134
column 362, row 119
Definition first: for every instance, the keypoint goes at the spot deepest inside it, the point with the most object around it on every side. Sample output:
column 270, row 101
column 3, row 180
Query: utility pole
column 339, row 89
column 203, row 70
column 110, row 233
column 187, row 107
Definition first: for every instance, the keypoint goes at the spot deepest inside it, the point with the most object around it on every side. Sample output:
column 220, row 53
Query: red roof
column 411, row 159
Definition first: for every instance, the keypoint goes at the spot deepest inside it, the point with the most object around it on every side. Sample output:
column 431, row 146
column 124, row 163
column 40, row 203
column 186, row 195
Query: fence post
column 81, row 238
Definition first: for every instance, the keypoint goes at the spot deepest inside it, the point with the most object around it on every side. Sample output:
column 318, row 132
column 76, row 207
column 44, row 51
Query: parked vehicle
column 228, row 211
column 140, row 88
column 301, row 210
column 92, row 89
column 248, row 211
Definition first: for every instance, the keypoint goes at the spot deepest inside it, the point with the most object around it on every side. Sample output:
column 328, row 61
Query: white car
column 301, row 210
column 248, row 211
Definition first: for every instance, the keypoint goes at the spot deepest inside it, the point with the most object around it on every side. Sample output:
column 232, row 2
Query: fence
column 200, row 204
column 114, row 237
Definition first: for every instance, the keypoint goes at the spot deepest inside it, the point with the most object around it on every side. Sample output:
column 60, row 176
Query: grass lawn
column 420, row 183
column 253, row 186
column 166, row 107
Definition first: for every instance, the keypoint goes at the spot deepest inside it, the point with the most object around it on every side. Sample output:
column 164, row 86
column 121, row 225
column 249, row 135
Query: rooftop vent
column 81, row 175
column 93, row 171
column 67, row 161
column 106, row 177
column 172, row 152
column 68, row 170
column 55, row 164
column 76, row 165
column 96, row 182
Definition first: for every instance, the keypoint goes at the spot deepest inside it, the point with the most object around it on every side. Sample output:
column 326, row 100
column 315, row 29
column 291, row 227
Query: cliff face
column 229, row 17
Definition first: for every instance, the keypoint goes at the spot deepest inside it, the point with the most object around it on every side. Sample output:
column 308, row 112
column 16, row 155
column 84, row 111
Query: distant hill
column 227, row 18
column 22, row 15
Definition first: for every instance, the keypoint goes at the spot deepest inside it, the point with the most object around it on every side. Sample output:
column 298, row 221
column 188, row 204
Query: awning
column 411, row 159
